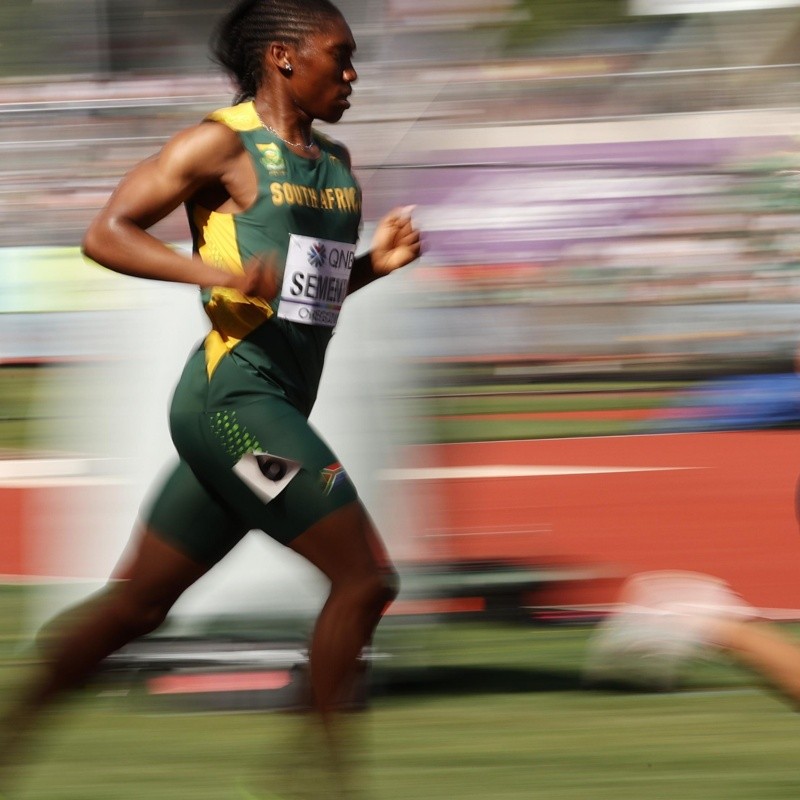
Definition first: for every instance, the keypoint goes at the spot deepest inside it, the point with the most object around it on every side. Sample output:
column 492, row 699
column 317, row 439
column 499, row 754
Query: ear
column 279, row 57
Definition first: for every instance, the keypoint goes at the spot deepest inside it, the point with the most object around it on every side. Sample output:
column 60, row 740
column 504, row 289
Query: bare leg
column 762, row 648
column 666, row 617
column 157, row 575
column 346, row 548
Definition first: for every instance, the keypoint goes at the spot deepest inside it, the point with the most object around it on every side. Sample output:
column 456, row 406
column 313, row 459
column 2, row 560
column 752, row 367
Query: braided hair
column 244, row 33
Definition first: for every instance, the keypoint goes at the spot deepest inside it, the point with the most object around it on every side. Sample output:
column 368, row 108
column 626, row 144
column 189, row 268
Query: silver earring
column 288, row 69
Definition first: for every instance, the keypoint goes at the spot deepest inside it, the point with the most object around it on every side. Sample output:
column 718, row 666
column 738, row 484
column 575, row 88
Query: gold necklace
column 310, row 146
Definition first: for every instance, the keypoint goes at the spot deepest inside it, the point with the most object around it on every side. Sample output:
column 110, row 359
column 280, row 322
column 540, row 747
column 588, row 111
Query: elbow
column 94, row 245
column 89, row 244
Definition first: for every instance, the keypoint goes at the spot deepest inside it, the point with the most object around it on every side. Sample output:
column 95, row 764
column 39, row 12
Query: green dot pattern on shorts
column 233, row 435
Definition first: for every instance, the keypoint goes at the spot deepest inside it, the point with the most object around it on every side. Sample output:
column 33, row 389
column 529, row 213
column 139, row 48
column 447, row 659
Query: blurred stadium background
column 609, row 196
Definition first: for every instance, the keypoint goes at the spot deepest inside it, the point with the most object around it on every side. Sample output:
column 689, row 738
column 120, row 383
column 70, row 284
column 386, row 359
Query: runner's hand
column 396, row 241
column 260, row 278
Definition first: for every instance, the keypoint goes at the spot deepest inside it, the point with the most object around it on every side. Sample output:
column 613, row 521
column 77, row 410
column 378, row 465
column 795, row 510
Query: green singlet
column 239, row 417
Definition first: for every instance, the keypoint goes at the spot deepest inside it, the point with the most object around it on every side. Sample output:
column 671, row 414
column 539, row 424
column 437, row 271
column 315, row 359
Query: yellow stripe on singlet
column 242, row 117
column 233, row 315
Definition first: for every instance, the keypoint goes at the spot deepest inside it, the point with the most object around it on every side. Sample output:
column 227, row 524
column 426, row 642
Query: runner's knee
column 391, row 584
column 140, row 615
column 376, row 590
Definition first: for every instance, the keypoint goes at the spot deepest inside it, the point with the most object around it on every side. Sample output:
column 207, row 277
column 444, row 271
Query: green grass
column 24, row 390
column 571, row 387
column 462, row 711
column 17, row 392
column 28, row 394
column 444, row 409
column 441, row 409
column 535, row 404
column 558, row 746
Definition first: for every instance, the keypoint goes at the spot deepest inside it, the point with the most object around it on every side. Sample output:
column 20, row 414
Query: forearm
column 128, row 249
column 362, row 273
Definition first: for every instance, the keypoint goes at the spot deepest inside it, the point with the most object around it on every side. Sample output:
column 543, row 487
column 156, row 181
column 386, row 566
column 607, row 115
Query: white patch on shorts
column 266, row 474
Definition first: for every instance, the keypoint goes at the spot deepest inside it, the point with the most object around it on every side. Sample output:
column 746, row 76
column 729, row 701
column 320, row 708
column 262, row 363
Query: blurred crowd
column 449, row 114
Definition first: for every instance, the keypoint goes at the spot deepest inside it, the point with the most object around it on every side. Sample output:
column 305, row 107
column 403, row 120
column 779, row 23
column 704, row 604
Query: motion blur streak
column 608, row 195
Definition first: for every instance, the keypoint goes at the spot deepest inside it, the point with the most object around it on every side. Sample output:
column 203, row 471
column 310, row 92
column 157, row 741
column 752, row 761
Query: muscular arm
column 194, row 160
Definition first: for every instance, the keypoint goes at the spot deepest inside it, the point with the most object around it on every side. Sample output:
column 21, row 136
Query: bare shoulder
column 202, row 151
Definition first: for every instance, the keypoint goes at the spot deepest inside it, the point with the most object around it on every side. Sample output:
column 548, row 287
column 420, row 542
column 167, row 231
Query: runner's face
column 323, row 71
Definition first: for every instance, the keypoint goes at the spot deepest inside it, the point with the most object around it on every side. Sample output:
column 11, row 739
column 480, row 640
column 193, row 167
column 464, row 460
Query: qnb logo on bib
column 315, row 280
column 316, row 255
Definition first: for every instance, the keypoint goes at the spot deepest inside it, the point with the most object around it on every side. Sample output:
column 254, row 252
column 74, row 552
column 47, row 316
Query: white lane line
column 19, row 468
column 484, row 471
column 57, row 483
column 32, row 473
column 65, row 472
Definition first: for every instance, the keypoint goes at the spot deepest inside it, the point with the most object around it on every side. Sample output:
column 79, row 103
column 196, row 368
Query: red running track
column 720, row 503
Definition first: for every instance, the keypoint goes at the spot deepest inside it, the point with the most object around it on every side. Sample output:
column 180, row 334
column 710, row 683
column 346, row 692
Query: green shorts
column 249, row 459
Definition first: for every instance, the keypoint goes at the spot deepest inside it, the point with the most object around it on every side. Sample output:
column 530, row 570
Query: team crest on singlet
column 272, row 158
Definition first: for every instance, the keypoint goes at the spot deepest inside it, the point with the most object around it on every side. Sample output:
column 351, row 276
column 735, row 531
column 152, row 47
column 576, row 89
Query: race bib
column 315, row 280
